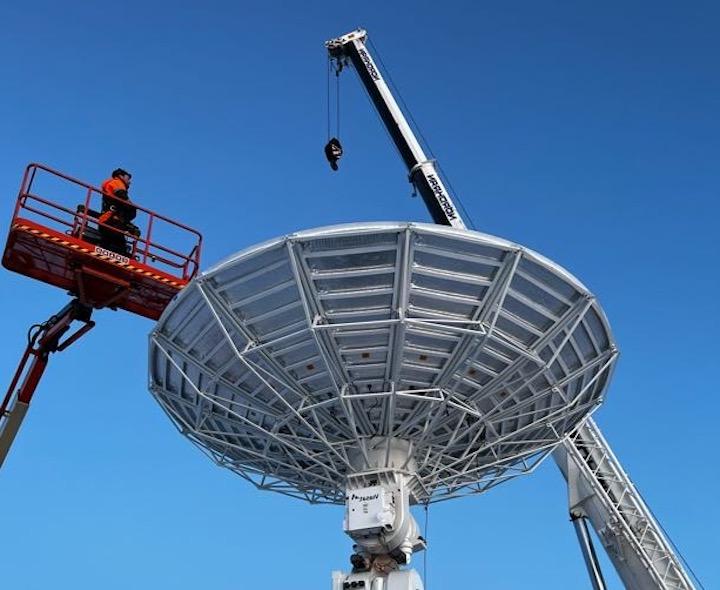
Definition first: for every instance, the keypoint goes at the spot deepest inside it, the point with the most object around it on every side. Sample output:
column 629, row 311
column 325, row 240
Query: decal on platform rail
column 114, row 256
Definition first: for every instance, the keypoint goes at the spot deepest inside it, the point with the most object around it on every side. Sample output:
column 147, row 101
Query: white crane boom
column 423, row 173
column 599, row 490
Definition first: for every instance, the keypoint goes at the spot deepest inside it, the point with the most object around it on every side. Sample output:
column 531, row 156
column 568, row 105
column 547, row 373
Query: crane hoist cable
column 425, row 535
column 333, row 148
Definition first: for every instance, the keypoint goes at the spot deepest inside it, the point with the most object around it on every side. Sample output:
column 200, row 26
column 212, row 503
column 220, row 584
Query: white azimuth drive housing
column 369, row 511
column 378, row 517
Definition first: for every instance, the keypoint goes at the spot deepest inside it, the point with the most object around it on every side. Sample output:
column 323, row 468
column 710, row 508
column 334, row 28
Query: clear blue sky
column 587, row 131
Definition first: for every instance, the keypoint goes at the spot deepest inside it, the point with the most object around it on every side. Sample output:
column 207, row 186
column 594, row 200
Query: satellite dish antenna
column 381, row 365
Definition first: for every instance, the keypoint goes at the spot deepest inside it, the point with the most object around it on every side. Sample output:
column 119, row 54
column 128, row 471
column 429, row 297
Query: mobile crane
column 599, row 490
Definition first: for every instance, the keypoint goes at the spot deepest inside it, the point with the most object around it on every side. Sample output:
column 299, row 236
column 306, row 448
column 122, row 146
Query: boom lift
column 599, row 490
column 63, row 246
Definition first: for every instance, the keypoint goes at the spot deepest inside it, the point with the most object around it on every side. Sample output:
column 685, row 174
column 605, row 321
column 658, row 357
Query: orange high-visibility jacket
column 112, row 186
column 115, row 187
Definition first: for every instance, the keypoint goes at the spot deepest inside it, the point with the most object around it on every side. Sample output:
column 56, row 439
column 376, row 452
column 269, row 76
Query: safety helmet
column 120, row 172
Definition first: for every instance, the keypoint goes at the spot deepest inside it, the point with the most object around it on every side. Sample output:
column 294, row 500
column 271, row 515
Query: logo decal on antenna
column 364, row 498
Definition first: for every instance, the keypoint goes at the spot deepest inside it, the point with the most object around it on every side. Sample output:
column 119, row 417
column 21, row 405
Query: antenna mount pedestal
column 378, row 517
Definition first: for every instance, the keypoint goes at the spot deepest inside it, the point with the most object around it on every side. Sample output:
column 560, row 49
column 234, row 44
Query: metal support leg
column 588, row 551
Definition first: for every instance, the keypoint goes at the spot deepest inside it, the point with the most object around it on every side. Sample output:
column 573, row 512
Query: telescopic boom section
column 42, row 341
column 423, row 173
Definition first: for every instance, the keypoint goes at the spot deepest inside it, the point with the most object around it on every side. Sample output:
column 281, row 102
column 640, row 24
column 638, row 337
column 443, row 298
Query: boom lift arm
column 43, row 339
column 638, row 549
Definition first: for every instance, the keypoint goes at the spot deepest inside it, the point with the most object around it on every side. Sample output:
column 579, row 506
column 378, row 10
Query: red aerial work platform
column 56, row 237
column 60, row 244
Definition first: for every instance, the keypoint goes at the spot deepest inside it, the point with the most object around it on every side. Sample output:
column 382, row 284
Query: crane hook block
column 333, row 152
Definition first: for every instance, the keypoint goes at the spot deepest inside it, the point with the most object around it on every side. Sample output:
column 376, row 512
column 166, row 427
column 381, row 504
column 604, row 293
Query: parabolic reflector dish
column 291, row 359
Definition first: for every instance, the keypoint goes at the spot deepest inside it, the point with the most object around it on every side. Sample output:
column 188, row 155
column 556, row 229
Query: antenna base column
column 395, row 580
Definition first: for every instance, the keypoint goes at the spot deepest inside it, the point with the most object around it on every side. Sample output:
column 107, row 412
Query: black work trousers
column 112, row 238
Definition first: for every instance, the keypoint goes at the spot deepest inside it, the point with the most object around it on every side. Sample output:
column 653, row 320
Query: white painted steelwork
column 289, row 359
column 601, row 491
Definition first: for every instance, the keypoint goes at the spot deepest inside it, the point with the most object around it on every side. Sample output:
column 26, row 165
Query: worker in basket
column 117, row 216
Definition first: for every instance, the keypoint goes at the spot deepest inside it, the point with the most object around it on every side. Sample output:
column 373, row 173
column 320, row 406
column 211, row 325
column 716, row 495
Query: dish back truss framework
column 288, row 361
